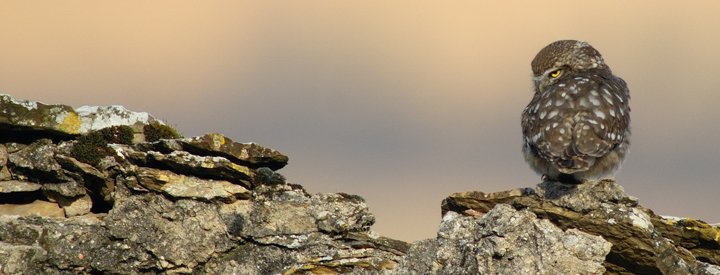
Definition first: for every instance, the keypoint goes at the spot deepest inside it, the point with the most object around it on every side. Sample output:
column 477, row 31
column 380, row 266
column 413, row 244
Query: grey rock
column 36, row 162
column 506, row 241
column 642, row 241
column 34, row 207
column 178, row 235
column 202, row 166
column 3, row 155
column 27, row 120
column 249, row 154
column 58, row 191
column 179, row 186
column 285, row 215
column 12, row 186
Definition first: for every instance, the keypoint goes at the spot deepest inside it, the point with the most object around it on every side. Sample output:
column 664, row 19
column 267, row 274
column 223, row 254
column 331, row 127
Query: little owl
column 577, row 125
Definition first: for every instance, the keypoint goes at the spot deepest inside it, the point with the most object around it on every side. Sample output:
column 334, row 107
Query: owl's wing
column 600, row 129
column 574, row 123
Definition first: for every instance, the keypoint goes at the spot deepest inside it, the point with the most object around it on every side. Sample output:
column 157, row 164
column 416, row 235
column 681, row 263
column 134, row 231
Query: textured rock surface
column 39, row 119
column 643, row 242
column 209, row 205
column 505, row 241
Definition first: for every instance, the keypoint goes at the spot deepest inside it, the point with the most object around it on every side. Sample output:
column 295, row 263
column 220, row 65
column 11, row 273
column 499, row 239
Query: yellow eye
column 555, row 73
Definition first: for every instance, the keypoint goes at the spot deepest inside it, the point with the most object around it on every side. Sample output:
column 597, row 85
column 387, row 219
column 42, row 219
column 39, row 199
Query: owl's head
column 564, row 58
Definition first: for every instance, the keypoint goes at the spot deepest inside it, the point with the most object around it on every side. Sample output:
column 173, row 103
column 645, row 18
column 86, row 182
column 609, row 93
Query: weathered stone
column 642, row 241
column 36, row 162
column 506, row 241
column 252, row 155
column 180, row 186
column 340, row 213
column 18, row 114
column 19, row 259
column 78, row 206
column 206, row 167
column 89, row 173
column 4, row 171
column 37, row 207
column 284, row 214
column 12, row 186
column 59, row 191
column 99, row 117
column 179, row 234
column 98, row 184
column 3, row 155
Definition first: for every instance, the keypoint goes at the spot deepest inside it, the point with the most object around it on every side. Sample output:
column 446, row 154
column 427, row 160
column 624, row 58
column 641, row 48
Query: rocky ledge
column 108, row 190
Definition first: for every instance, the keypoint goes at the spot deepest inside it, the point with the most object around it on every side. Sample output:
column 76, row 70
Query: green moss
column 92, row 147
column 117, row 134
column 156, row 131
column 89, row 148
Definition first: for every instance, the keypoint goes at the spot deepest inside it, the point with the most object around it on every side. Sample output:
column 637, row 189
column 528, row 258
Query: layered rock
column 642, row 242
column 205, row 204
column 105, row 190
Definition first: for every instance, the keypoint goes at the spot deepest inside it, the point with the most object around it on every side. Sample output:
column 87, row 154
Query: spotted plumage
column 577, row 125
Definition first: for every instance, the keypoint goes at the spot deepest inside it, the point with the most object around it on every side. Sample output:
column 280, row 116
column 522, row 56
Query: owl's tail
column 575, row 164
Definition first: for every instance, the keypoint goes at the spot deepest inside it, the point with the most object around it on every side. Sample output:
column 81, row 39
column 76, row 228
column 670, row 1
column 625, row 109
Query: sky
column 400, row 102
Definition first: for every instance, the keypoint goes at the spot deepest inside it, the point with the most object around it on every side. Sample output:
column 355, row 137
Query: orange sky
column 401, row 102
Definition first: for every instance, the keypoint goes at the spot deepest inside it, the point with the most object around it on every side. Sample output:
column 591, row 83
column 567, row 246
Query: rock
column 77, row 207
column 13, row 186
column 36, row 207
column 99, row 117
column 179, row 235
column 27, row 116
column 36, row 162
column 65, row 190
column 3, row 155
column 285, row 215
column 179, row 186
column 209, row 167
column 37, row 119
column 642, row 241
column 252, row 155
column 506, row 241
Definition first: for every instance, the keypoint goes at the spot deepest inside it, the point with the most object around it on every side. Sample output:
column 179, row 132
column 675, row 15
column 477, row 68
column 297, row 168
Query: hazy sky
column 400, row 102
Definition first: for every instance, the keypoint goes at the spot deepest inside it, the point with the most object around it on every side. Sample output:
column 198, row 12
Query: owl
column 577, row 125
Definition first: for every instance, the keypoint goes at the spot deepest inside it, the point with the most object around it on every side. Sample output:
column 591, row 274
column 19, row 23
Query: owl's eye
column 555, row 73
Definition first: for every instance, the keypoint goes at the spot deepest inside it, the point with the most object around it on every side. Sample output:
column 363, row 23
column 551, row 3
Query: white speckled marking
column 599, row 114
column 584, row 103
column 552, row 114
column 619, row 98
